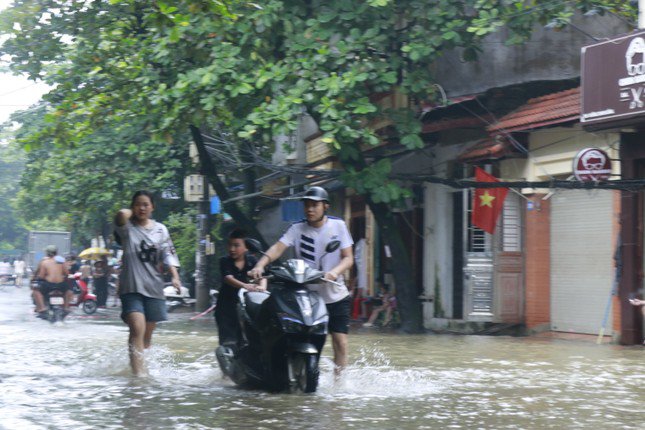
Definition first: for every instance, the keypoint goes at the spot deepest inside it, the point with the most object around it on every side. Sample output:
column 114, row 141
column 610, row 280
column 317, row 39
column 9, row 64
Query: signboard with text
column 613, row 82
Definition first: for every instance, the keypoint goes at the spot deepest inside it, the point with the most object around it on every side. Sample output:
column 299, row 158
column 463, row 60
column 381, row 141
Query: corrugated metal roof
column 451, row 101
column 551, row 109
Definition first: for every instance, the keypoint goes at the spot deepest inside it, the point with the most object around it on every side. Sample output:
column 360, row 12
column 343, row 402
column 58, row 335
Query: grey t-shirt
column 145, row 251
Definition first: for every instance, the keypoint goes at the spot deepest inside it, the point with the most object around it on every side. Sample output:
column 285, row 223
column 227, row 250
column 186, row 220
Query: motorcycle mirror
column 253, row 245
column 332, row 246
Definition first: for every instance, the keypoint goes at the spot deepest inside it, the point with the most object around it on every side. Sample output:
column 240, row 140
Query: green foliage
column 183, row 231
column 253, row 68
column 79, row 188
column 12, row 233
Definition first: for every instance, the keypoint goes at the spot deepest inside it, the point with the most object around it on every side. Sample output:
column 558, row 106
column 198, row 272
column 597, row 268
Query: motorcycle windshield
column 297, row 271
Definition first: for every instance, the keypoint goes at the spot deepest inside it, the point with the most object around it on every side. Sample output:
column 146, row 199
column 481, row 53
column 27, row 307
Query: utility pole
column 201, row 267
column 196, row 190
column 641, row 14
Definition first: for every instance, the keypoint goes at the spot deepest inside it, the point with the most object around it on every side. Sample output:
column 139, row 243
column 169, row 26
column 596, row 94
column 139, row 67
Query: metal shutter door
column 581, row 259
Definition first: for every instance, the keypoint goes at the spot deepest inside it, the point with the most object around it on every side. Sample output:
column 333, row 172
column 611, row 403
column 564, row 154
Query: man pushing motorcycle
column 309, row 238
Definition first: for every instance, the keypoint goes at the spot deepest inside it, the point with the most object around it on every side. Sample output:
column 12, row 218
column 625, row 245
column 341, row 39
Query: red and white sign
column 592, row 164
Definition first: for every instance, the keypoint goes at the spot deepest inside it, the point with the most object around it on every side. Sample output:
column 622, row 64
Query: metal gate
column 478, row 269
column 493, row 275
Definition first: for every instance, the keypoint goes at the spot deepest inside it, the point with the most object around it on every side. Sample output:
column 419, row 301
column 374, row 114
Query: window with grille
column 477, row 239
column 511, row 224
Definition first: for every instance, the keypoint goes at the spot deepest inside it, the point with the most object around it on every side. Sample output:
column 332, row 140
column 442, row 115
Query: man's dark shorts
column 339, row 315
column 47, row 287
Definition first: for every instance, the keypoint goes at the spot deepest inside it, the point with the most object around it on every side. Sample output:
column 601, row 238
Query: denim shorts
column 153, row 309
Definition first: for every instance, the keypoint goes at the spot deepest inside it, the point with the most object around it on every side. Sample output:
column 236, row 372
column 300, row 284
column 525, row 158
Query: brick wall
column 538, row 275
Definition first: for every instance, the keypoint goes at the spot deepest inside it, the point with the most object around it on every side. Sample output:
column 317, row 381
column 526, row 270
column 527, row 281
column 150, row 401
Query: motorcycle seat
column 253, row 301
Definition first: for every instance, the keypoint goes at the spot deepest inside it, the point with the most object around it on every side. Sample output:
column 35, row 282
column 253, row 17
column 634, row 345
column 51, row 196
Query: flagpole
column 520, row 194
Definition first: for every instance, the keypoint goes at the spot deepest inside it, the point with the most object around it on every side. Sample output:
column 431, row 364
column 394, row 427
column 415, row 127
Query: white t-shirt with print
column 309, row 244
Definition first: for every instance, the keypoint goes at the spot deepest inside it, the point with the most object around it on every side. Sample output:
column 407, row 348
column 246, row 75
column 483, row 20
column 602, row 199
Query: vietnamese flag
column 487, row 202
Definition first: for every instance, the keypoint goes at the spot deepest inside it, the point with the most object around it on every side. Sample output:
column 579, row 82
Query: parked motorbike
column 176, row 300
column 284, row 330
column 82, row 296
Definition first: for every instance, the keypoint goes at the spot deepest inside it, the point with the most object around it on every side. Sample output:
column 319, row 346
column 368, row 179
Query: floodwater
column 76, row 376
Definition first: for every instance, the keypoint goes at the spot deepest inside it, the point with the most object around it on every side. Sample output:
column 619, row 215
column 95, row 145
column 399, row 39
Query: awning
column 551, row 109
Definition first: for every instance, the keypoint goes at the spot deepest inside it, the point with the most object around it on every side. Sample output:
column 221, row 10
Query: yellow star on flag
column 486, row 199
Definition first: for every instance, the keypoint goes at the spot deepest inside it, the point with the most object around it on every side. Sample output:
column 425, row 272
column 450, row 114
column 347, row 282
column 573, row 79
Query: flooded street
column 77, row 376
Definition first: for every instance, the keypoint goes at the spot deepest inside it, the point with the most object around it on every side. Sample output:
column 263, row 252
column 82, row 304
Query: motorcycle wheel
column 303, row 373
column 57, row 315
column 90, row 306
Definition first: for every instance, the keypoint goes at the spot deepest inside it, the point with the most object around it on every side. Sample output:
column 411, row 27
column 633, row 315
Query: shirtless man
column 51, row 274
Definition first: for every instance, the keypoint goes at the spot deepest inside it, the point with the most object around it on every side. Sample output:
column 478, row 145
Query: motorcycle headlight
column 320, row 328
column 291, row 325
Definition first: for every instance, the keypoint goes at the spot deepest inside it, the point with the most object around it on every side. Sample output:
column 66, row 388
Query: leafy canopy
column 83, row 185
column 254, row 68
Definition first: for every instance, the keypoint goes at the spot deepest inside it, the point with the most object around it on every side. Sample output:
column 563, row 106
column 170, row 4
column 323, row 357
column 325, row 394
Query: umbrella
column 94, row 253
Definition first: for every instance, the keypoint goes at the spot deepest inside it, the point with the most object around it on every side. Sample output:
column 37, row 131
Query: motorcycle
column 283, row 330
column 175, row 300
column 54, row 302
column 82, row 296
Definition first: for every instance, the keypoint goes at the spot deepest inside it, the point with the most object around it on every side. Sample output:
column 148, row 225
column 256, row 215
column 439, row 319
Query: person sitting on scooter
column 309, row 238
column 234, row 269
column 52, row 276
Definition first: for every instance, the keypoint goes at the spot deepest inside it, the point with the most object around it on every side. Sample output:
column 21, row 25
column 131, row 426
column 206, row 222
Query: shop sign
column 613, row 82
column 592, row 164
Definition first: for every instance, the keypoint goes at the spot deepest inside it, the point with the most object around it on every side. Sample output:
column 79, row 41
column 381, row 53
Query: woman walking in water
column 147, row 249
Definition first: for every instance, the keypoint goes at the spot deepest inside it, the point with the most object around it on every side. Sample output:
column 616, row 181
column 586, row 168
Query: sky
column 16, row 92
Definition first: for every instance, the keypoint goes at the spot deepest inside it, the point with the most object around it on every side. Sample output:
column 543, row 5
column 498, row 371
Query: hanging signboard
column 216, row 205
column 592, row 164
column 194, row 188
column 613, row 82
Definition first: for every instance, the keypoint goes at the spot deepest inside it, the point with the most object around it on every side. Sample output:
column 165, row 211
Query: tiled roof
column 551, row 109
column 488, row 149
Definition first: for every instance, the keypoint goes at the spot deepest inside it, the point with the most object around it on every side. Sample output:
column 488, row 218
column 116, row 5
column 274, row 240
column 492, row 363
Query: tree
column 12, row 233
column 255, row 68
column 83, row 185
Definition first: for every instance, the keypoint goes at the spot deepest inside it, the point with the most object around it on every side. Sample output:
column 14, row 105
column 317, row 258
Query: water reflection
column 77, row 376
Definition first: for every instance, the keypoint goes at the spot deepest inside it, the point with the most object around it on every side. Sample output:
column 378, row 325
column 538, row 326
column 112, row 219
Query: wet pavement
column 76, row 376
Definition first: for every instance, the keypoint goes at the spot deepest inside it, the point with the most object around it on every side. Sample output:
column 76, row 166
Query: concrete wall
column 548, row 55
column 552, row 150
column 290, row 149
column 438, row 234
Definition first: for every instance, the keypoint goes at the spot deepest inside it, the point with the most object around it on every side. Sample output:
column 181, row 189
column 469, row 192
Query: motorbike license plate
column 56, row 300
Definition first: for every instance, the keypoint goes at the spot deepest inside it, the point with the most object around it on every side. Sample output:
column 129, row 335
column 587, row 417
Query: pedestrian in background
column 18, row 271
column 147, row 247
column 101, row 273
column 86, row 272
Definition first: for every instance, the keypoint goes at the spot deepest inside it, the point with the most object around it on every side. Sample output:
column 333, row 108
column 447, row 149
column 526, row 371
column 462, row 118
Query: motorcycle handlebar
column 338, row 284
column 257, row 281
